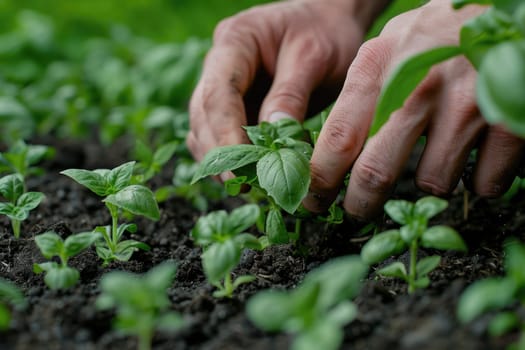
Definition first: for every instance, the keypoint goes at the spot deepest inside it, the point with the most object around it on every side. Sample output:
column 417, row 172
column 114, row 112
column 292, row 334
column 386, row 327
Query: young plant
column 141, row 302
column 494, row 42
column 60, row 275
column 10, row 295
column 222, row 237
column 151, row 162
column 119, row 194
column 19, row 203
column 277, row 163
column 20, row 158
column 317, row 310
column 413, row 234
column 498, row 293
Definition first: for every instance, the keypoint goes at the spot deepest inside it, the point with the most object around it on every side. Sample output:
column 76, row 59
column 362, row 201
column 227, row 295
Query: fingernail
column 275, row 116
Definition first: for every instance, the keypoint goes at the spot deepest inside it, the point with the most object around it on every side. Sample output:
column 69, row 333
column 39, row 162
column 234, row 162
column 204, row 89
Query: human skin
column 307, row 47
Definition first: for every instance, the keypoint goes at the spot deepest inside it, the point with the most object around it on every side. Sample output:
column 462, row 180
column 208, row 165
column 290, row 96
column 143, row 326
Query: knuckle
column 340, row 138
column 292, row 93
column 372, row 58
column 373, row 177
column 432, row 185
column 320, row 182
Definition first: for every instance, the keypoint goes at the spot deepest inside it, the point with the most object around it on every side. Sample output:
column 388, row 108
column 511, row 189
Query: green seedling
column 150, row 162
column 60, row 275
column 119, row 195
column 499, row 293
column 199, row 194
column 19, row 203
column 494, row 42
column 141, row 302
column 10, row 296
column 276, row 163
column 414, row 233
column 222, row 237
column 21, row 158
column 317, row 310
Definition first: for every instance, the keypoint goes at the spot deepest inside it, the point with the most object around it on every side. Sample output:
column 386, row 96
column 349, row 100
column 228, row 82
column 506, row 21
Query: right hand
column 303, row 47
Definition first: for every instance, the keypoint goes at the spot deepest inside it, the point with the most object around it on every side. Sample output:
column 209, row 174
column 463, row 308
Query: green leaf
column 442, row 237
column 323, row 335
column 275, row 227
column 515, row 261
column 11, row 187
column 422, row 283
column 76, row 243
column 29, row 200
column 460, row 3
column 342, row 313
column 220, row 259
column 405, row 79
column 164, row 153
column 400, row 211
column 340, row 279
column 485, row 295
column 480, row 34
column 136, row 199
column 121, row 229
column 119, row 177
column 430, row 206
column 508, row 6
column 61, row 277
column 289, row 127
column 125, row 249
column 161, row 276
column 427, row 265
column 50, row 244
column 226, row 158
column 414, row 229
column 501, row 86
column 382, row 246
column 396, row 269
column 10, row 294
column 243, row 280
column 242, row 218
column 93, row 180
column 270, row 310
column 503, row 323
column 246, row 240
column 233, row 186
column 9, row 209
column 210, row 227
column 5, row 317
column 285, row 175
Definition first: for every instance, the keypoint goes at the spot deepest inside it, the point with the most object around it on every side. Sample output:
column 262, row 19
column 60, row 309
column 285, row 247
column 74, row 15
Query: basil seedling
column 21, row 157
column 414, row 232
column 277, row 163
column 317, row 310
column 150, row 162
column 10, row 295
column 141, row 302
column 60, row 275
column 19, row 203
column 498, row 293
column 119, row 194
column 222, row 237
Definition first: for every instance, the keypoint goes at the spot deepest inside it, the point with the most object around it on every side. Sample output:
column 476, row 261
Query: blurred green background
column 163, row 20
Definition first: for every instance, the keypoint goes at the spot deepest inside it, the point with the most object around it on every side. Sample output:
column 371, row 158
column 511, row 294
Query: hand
column 303, row 47
column 443, row 107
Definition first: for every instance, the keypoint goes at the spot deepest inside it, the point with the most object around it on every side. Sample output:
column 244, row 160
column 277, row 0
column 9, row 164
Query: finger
column 383, row 159
column 499, row 157
column 217, row 111
column 452, row 133
column 346, row 128
column 301, row 66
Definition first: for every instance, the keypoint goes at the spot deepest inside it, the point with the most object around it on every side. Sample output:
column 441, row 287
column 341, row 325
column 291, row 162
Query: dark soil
column 388, row 317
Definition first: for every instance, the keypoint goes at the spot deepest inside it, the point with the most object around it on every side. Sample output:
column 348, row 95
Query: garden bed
column 388, row 317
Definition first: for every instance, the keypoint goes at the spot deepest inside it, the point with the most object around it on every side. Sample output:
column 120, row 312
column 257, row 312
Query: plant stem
column 228, row 285
column 412, row 271
column 15, row 224
column 113, row 210
column 145, row 340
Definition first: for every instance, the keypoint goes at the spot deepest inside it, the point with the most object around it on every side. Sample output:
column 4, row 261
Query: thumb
column 301, row 66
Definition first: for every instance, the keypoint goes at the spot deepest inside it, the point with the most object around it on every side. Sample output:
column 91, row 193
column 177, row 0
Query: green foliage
column 120, row 195
column 141, row 303
column 275, row 165
column 19, row 203
column 494, row 42
column 60, row 275
column 21, row 158
column 317, row 310
column 150, row 162
column 222, row 237
column 414, row 233
column 497, row 293
column 10, row 296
